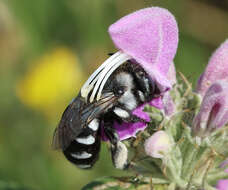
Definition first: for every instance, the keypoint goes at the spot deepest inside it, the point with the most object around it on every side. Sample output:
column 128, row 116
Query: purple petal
column 222, row 184
column 140, row 113
column 150, row 36
column 156, row 102
column 126, row 130
column 217, row 69
column 213, row 112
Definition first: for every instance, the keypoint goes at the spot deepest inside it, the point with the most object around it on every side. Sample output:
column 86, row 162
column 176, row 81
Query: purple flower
column 213, row 112
column 158, row 144
column 217, row 69
column 148, row 37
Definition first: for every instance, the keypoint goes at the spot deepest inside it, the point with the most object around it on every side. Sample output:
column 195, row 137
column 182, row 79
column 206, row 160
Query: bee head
column 131, row 85
column 147, row 88
column 123, row 87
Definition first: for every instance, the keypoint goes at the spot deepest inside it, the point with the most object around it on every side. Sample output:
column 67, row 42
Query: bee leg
column 120, row 155
column 111, row 134
column 118, row 149
column 134, row 119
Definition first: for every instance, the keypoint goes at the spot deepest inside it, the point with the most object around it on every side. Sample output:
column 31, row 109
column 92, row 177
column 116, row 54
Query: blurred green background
column 48, row 48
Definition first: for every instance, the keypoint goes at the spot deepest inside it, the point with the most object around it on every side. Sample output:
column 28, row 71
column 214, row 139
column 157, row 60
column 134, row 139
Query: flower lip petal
column 217, row 69
column 150, row 36
column 126, row 130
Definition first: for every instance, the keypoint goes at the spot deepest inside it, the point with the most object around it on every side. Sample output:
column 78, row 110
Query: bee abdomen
column 84, row 149
column 83, row 156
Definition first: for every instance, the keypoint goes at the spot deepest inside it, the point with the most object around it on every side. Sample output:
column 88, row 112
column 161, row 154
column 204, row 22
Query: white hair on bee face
column 128, row 99
column 98, row 79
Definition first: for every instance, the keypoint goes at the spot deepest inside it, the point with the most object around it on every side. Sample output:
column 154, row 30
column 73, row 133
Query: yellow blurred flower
column 51, row 82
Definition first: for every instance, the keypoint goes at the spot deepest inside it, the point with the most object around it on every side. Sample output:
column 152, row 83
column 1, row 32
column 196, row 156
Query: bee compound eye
column 141, row 73
column 119, row 91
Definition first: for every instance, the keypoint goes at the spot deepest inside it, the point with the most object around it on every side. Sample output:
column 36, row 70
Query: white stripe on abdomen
column 88, row 140
column 82, row 155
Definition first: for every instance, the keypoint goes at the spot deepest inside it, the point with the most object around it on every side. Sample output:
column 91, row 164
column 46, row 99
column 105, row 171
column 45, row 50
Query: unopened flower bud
column 158, row 144
column 217, row 69
column 213, row 112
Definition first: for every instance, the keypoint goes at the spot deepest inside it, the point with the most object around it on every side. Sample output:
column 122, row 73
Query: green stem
column 171, row 163
column 188, row 161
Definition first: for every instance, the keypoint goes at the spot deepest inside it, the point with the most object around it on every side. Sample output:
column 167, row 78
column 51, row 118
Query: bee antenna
column 107, row 71
column 88, row 85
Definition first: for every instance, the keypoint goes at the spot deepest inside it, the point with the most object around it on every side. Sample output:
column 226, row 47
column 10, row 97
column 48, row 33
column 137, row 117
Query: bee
column 110, row 94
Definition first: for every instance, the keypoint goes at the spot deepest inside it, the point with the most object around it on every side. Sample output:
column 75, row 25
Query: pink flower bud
column 217, row 69
column 158, row 145
column 213, row 112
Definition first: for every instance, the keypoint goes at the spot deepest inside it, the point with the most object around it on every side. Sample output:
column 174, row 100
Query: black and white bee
column 111, row 93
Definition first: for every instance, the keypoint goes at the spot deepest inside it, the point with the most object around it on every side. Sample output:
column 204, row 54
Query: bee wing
column 77, row 116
